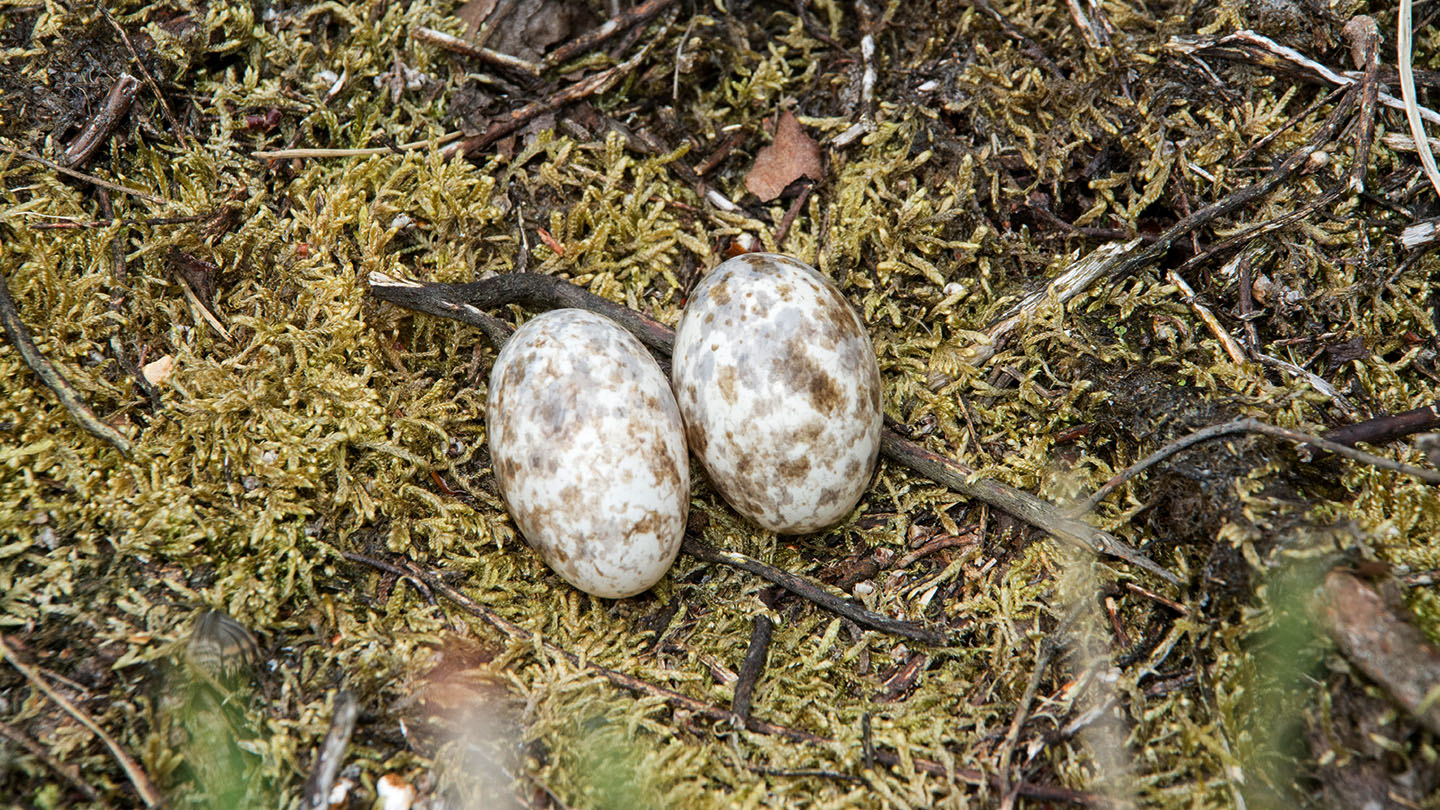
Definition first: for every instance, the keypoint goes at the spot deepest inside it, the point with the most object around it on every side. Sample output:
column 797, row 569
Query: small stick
column 751, row 667
column 69, row 772
column 415, row 582
column 1405, row 32
column 812, row 593
column 89, row 178
column 1232, row 348
column 150, row 80
column 1261, row 50
column 938, row 544
column 70, row 225
column 117, row 103
column 133, row 771
column 1388, row 427
column 368, row 151
column 1012, row 737
column 327, row 761
column 455, row 44
column 783, row 229
column 1249, row 425
column 20, row 338
column 625, row 19
column 515, row 119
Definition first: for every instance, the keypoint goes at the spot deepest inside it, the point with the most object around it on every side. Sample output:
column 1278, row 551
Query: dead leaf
column 527, row 28
column 792, row 156
column 474, row 13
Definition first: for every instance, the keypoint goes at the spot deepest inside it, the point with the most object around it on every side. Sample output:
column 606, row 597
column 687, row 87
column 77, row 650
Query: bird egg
column 779, row 388
column 589, row 451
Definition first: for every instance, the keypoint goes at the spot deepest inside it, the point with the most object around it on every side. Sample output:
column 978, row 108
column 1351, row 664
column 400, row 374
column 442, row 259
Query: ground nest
column 246, row 501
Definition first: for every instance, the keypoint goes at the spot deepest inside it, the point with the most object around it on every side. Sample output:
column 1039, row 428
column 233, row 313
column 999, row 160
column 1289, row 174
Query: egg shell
column 589, row 451
column 778, row 384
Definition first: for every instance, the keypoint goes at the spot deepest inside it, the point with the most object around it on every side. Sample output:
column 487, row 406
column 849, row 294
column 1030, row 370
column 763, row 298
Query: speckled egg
column 780, row 391
column 589, row 451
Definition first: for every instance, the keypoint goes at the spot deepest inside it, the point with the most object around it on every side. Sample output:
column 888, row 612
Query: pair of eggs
column 774, row 387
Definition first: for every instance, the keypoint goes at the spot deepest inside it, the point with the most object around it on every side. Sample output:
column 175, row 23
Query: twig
column 89, row 178
column 1073, row 280
column 462, row 302
column 751, row 667
column 1404, row 32
column 812, row 593
column 332, row 750
column 68, row 772
column 1095, row 35
column 117, row 103
column 515, row 119
column 133, row 771
column 514, row 64
column 1012, row 737
column 867, row 96
column 311, row 152
column 1261, row 50
column 1232, row 348
column 150, row 80
column 415, row 582
column 1387, row 427
column 69, row 225
column 1315, row 380
column 1250, row 425
column 783, row 229
column 1038, row 513
column 720, row 714
column 626, row 19
column 20, row 338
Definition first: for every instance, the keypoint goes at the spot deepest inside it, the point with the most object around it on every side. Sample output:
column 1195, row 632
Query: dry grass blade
column 1405, row 29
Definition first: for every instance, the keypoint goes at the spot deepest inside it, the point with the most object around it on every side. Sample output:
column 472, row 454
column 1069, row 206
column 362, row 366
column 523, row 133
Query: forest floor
column 246, row 503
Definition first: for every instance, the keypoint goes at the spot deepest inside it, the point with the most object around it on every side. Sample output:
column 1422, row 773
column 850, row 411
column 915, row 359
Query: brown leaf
column 792, row 156
column 474, row 13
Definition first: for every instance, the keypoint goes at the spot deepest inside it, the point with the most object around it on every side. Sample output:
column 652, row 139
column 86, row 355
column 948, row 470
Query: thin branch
column 1012, row 737
column 454, row 44
column 509, row 122
column 133, row 771
column 369, row 151
column 1249, row 425
column 813, row 593
column 624, row 20
column 1388, row 427
column 20, row 338
column 1248, row 46
column 89, row 178
column 1403, row 35
column 68, row 772
column 752, row 666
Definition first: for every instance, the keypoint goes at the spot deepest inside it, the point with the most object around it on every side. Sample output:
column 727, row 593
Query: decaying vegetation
column 245, row 500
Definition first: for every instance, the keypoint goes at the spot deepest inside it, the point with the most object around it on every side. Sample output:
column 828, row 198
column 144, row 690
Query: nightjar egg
column 589, row 451
column 778, row 384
